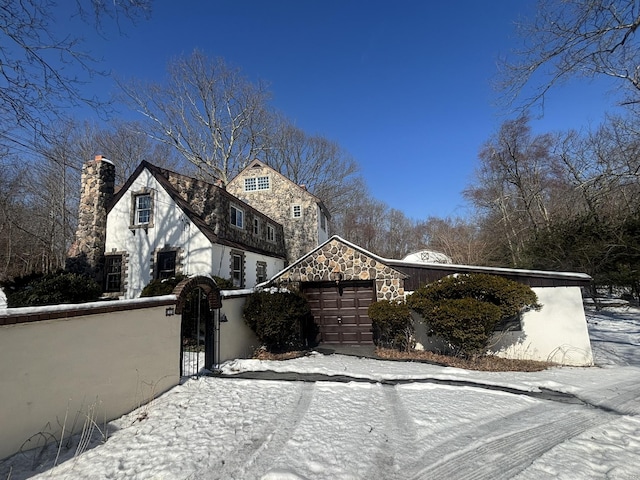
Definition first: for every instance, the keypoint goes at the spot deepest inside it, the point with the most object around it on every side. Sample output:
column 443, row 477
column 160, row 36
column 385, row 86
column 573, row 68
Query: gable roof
column 302, row 188
column 418, row 273
column 163, row 176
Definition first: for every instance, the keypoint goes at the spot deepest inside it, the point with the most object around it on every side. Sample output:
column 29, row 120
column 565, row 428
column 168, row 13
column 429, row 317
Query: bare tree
column 123, row 144
column 569, row 38
column 599, row 170
column 511, row 186
column 458, row 238
column 43, row 68
column 319, row 164
column 208, row 111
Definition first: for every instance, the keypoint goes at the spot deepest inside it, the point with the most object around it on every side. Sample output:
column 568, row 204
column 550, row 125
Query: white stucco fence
column 556, row 333
column 55, row 372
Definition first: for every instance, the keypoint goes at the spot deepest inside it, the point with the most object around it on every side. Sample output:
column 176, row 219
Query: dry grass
column 486, row 364
column 262, row 354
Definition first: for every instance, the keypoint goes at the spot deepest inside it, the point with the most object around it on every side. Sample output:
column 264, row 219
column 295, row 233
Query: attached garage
column 340, row 310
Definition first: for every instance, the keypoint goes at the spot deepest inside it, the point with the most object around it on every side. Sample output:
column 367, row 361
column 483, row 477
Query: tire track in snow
column 263, row 452
column 503, row 448
column 619, row 398
column 399, row 441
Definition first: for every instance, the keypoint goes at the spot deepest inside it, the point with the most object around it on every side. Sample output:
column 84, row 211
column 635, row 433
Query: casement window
column 113, row 273
column 236, row 216
column 256, row 226
column 142, row 209
column 323, row 222
column 263, row 183
column 165, row 265
column 271, row 233
column 261, row 272
column 252, row 184
column 296, row 211
column 237, row 269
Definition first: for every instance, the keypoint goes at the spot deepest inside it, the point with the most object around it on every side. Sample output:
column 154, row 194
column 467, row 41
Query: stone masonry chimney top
column 102, row 158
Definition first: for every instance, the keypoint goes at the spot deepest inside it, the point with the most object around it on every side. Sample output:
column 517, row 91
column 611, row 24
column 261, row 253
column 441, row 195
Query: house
column 161, row 223
column 304, row 217
column 341, row 280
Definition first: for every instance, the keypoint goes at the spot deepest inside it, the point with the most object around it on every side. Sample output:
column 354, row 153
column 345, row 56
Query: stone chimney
column 97, row 188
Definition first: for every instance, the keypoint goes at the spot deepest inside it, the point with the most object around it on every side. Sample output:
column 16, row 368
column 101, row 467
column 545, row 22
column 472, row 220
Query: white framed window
column 296, row 211
column 263, row 183
column 250, row 184
column 236, row 216
column 142, row 207
column 271, row 233
column 237, row 269
column 256, row 226
column 261, row 272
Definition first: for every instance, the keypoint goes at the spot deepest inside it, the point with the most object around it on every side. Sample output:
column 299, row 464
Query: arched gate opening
column 199, row 305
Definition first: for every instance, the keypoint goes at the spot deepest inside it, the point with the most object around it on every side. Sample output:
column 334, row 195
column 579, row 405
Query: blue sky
column 403, row 86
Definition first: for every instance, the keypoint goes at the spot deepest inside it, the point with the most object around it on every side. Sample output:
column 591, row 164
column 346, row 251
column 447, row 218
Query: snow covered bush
column 465, row 309
column 392, row 325
column 282, row 321
column 50, row 289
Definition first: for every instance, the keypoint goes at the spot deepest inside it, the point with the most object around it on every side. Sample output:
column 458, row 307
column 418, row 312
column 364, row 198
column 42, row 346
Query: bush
column 224, row 283
column 51, row 289
column 163, row 286
column 282, row 321
column 392, row 325
column 166, row 286
column 464, row 309
column 465, row 323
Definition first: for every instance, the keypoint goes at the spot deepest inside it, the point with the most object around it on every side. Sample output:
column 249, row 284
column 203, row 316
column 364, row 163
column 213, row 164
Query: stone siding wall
column 300, row 234
column 212, row 203
column 97, row 187
column 337, row 261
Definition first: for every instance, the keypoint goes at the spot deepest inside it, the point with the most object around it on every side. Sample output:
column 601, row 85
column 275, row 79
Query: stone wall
column 336, row 261
column 300, row 234
column 97, row 187
column 212, row 204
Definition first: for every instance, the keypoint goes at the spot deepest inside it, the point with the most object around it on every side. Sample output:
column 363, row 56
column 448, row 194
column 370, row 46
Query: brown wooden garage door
column 340, row 311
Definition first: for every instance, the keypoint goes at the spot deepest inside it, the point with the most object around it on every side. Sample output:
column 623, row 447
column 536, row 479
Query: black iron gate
column 199, row 352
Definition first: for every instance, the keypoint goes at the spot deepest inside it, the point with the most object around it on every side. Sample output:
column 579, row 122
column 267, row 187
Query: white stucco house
column 161, row 223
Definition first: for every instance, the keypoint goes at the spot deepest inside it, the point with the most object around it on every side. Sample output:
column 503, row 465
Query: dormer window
column 271, row 233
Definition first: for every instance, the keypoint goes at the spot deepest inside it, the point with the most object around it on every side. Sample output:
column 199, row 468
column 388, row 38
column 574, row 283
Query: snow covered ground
column 373, row 419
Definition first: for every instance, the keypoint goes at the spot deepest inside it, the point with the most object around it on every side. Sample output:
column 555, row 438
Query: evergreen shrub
column 158, row 287
column 166, row 286
column 464, row 309
column 392, row 325
column 50, row 289
column 282, row 321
